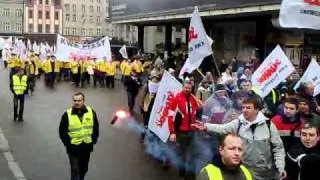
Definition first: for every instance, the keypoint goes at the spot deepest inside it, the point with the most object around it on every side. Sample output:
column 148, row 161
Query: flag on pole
column 123, row 51
column 199, row 43
column 158, row 122
column 274, row 70
column 29, row 46
column 311, row 75
column 300, row 14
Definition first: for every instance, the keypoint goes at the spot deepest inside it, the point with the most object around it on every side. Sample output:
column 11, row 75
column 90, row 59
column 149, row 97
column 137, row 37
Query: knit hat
column 220, row 87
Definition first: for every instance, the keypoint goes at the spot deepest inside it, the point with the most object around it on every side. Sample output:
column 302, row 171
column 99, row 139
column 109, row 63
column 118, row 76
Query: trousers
column 79, row 165
column 18, row 100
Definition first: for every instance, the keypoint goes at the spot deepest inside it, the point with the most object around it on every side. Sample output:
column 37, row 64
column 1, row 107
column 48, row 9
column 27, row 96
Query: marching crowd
column 220, row 127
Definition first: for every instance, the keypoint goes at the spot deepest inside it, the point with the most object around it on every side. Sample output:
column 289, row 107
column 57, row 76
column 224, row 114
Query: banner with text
column 67, row 49
column 274, row 70
column 300, row 14
column 158, row 122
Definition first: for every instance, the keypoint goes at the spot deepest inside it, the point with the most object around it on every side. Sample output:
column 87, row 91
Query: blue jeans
column 131, row 99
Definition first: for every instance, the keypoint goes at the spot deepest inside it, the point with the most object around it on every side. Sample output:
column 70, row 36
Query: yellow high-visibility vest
column 111, row 69
column 19, row 84
column 214, row 172
column 80, row 131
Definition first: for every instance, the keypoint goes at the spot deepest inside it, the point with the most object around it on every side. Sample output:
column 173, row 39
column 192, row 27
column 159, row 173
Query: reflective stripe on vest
column 214, row 173
column 19, row 85
column 80, row 131
column 274, row 96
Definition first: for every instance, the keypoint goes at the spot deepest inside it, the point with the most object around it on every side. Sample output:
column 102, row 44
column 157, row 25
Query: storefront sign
column 124, row 9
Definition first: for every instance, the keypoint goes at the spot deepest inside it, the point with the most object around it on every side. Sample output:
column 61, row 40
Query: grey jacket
column 264, row 154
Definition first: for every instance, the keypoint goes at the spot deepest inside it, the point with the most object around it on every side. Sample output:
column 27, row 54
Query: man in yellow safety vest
column 228, row 166
column 18, row 87
column 79, row 132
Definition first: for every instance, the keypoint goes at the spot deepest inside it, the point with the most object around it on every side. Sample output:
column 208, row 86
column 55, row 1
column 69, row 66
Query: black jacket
column 304, row 162
column 132, row 85
column 65, row 138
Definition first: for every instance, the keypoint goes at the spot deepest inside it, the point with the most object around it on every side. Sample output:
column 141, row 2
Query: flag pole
column 216, row 66
column 200, row 73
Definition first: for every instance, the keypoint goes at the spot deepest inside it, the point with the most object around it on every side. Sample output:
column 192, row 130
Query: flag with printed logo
column 199, row 43
column 274, row 70
column 300, row 14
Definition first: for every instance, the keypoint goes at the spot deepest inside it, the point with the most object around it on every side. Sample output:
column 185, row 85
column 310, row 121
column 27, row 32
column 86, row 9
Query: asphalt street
column 37, row 148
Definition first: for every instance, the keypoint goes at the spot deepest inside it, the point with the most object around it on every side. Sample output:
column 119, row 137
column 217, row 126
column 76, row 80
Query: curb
column 12, row 164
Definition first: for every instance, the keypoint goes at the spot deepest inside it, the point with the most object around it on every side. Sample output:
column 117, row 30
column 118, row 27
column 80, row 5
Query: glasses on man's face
column 77, row 100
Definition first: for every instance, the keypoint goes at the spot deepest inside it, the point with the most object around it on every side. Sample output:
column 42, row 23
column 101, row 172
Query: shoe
column 20, row 120
column 15, row 119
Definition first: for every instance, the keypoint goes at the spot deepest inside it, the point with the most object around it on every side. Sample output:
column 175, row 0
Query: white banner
column 67, row 49
column 123, row 52
column 199, row 45
column 311, row 75
column 300, row 14
column 274, row 70
column 158, row 122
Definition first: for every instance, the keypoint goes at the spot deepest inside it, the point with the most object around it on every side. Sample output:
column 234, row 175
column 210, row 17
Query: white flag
column 311, row 75
column 158, row 122
column 199, row 45
column 2, row 43
column 274, row 70
column 123, row 51
column 29, row 46
column 300, row 14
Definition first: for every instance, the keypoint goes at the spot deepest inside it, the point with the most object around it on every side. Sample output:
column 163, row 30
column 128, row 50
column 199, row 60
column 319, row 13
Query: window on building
column 74, row 18
column 30, row 14
column 56, row 15
column 40, row 2
column 74, row 7
column 56, row 28
column 98, row 20
column 91, row 9
column 159, row 28
column 40, row 28
column 90, row 21
column 47, row 2
column 6, row 12
column 40, row 14
column 47, row 28
column 57, row 2
column 30, row 28
column 18, row 27
column 18, row 12
column 67, row 31
column 74, row 31
column 91, row 0
column 67, row 17
column 98, row 1
column 47, row 15
column 83, row 7
column 98, row 32
column 90, row 32
column 98, row 9
column 67, row 7
column 83, row 31
column 6, row 27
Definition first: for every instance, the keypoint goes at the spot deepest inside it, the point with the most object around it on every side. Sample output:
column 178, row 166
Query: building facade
column 85, row 18
column 43, row 17
column 11, row 17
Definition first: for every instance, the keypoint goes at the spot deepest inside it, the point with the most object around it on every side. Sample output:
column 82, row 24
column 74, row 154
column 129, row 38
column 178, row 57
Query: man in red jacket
column 186, row 106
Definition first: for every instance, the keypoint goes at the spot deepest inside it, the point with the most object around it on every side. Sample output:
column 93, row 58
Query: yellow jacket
column 122, row 66
column 33, row 66
column 15, row 62
column 102, row 66
column 47, row 66
column 111, row 69
column 127, row 69
column 74, row 67
column 138, row 67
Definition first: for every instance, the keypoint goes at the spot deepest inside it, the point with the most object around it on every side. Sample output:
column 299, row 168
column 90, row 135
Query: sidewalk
column 9, row 168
